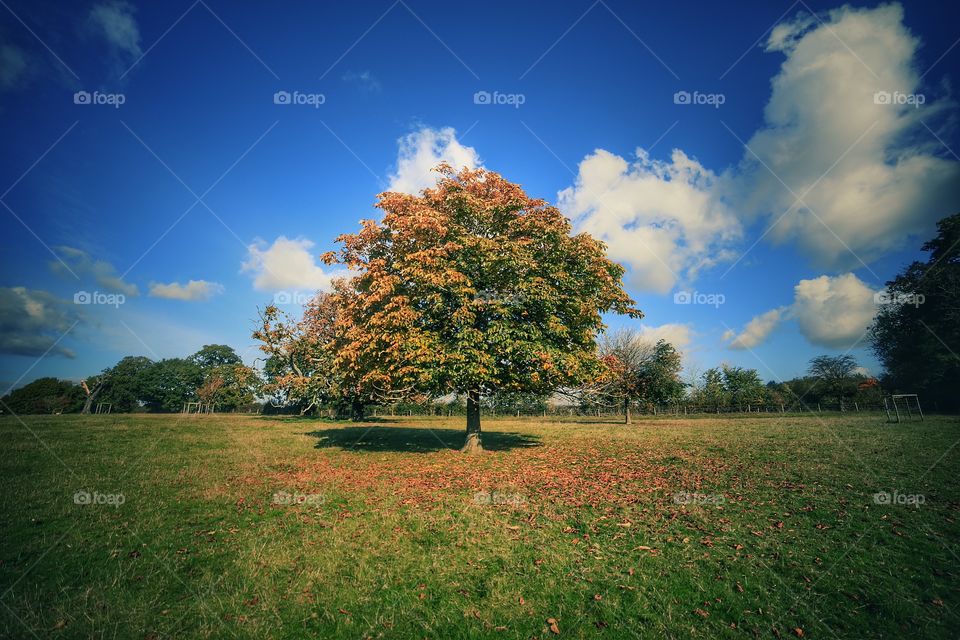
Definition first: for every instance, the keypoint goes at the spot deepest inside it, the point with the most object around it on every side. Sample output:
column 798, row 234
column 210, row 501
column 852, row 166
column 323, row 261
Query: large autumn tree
column 473, row 287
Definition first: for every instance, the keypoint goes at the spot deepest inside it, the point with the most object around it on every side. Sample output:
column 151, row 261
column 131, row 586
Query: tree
column 836, row 374
column 713, row 390
column 169, row 383
column 226, row 381
column 123, row 384
column 637, row 370
column 473, row 287
column 743, row 386
column 229, row 386
column 44, row 395
column 302, row 365
column 916, row 334
column 215, row 355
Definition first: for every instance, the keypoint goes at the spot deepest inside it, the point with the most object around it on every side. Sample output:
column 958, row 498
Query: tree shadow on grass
column 412, row 440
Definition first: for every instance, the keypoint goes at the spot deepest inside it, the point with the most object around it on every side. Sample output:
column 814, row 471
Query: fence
column 682, row 408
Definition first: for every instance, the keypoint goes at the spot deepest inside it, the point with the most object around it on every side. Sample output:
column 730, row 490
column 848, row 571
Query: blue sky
column 813, row 157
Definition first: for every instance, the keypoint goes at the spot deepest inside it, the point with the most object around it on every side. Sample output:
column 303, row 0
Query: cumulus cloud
column 13, row 66
column 286, row 264
column 32, row 322
column 868, row 172
column 114, row 22
column 834, row 312
column 679, row 335
column 102, row 272
column 831, row 312
column 662, row 219
column 423, row 150
column 192, row 290
column 840, row 131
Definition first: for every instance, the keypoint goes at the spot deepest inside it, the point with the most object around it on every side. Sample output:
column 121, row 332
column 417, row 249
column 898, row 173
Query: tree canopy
column 916, row 334
column 473, row 287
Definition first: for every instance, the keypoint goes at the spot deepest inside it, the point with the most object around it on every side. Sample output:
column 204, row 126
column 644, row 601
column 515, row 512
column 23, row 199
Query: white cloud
column 13, row 66
column 102, row 272
column 831, row 312
column 679, row 335
column 32, row 322
column 192, row 290
column 834, row 312
column 114, row 22
column 286, row 264
column 873, row 173
column 423, row 150
column 662, row 219
column 893, row 180
column 756, row 331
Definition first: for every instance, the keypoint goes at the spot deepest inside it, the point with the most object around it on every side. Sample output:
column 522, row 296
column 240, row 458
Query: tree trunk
column 626, row 411
column 90, row 398
column 356, row 410
column 472, row 445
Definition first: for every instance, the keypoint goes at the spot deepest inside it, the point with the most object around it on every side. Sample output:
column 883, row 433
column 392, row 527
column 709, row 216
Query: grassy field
column 243, row 527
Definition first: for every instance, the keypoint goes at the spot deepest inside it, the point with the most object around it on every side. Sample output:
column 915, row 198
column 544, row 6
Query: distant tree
column 916, row 334
column 713, row 391
column 229, row 387
column 170, row 383
column 44, row 395
column 637, row 371
column 215, row 355
column 473, row 287
column 836, row 374
column 122, row 385
column 505, row 402
column 743, row 386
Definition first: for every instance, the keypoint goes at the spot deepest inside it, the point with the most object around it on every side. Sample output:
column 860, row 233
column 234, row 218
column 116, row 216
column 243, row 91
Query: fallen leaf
column 552, row 623
column 701, row 613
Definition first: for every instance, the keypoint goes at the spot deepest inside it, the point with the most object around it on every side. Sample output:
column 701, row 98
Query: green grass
column 582, row 526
